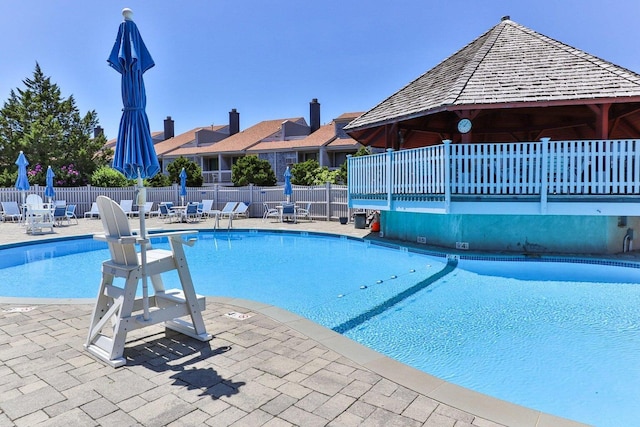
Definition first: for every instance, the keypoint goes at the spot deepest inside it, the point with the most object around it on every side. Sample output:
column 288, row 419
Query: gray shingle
column 508, row 64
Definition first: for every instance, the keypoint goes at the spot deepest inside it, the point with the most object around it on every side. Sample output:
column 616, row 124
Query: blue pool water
column 560, row 337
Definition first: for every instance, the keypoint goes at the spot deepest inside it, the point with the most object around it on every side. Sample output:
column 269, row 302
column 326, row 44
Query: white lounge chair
column 117, row 311
column 206, row 208
column 94, row 212
column 227, row 210
column 242, row 209
column 147, row 210
column 10, row 210
column 127, row 207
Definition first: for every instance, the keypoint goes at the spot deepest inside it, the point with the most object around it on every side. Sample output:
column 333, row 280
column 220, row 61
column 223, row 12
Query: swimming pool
column 560, row 337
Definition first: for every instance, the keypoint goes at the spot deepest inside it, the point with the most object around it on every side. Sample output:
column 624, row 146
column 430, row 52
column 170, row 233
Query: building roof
column 509, row 64
column 241, row 141
column 168, row 146
column 156, row 136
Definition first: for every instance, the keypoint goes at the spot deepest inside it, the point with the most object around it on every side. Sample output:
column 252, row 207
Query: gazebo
column 517, row 142
column 513, row 84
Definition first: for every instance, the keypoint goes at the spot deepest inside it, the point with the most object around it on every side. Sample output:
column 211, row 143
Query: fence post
column 447, row 175
column 389, row 177
column 348, row 180
column 544, row 174
column 327, row 198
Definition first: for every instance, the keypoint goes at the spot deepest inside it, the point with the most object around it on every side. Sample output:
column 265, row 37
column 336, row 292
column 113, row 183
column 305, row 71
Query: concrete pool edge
column 461, row 398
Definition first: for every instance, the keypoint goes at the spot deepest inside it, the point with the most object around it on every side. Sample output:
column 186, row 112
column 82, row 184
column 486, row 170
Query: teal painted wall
column 512, row 233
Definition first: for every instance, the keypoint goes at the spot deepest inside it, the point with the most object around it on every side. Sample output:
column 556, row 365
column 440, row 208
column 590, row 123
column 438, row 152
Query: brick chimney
column 97, row 131
column 169, row 130
column 234, row 122
column 314, row 115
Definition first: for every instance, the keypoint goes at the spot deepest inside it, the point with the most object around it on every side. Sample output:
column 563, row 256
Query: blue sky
column 268, row 59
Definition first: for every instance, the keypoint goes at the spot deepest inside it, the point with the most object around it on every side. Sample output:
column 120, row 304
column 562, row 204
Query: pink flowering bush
column 66, row 176
column 37, row 175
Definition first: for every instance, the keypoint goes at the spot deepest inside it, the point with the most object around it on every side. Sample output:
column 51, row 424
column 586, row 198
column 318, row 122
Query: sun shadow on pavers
column 188, row 359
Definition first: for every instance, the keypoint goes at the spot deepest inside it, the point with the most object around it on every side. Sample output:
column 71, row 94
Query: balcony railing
column 484, row 172
column 216, row 177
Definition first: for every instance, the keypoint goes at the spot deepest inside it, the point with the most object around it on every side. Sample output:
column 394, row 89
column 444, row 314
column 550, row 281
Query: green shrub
column 252, row 170
column 105, row 176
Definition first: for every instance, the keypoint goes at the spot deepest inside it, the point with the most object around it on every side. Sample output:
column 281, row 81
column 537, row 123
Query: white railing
column 610, row 167
column 216, row 177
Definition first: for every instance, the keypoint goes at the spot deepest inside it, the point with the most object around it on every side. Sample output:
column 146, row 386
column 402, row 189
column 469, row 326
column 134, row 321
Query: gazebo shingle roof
column 508, row 64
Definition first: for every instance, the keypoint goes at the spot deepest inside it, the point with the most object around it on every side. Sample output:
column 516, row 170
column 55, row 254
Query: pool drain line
column 386, row 305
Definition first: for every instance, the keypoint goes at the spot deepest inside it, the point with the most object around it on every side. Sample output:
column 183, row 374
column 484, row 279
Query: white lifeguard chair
column 120, row 305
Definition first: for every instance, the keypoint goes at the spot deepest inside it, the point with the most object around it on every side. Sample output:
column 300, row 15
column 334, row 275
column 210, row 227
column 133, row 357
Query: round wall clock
column 464, row 125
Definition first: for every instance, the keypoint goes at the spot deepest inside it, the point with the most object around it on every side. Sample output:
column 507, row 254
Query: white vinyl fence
column 328, row 202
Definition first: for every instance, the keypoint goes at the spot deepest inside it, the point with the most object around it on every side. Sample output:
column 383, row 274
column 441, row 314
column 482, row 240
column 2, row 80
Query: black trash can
column 360, row 220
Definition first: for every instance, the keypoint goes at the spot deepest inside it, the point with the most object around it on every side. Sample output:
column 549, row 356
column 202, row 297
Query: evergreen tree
column 51, row 132
column 194, row 172
column 252, row 170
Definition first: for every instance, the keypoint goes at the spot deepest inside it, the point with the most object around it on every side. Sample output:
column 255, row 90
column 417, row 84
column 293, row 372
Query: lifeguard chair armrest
column 126, row 240
column 189, row 242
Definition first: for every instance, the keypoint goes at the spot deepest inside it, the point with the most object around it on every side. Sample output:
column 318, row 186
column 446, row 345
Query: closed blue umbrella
column 288, row 191
column 135, row 155
column 49, row 191
column 183, row 184
column 22, row 183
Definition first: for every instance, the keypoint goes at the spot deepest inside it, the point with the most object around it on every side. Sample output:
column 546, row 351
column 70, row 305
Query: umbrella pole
column 141, row 200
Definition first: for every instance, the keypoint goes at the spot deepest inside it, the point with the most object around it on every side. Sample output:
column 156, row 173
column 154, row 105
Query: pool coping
column 476, row 403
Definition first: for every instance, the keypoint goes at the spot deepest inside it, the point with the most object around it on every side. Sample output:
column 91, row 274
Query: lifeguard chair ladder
column 120, row 305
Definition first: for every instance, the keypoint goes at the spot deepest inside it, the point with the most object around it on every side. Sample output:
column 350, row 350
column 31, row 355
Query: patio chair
column 60, row 215
column 166, row 213
column 37, row 214
column 289, row 211
column 70, row 213
column 117, row 311
column 10, row 210
column 304, row 212
column 34, row 200
column 127, row 207
column 94, row 212
column 191, row 212
column 269, row 212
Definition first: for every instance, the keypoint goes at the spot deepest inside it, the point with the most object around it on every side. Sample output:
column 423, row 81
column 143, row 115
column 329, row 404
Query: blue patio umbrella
column 135, row 155
column 22, row 183
column 288, row 191
column 48, row 190
column 183, row 184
